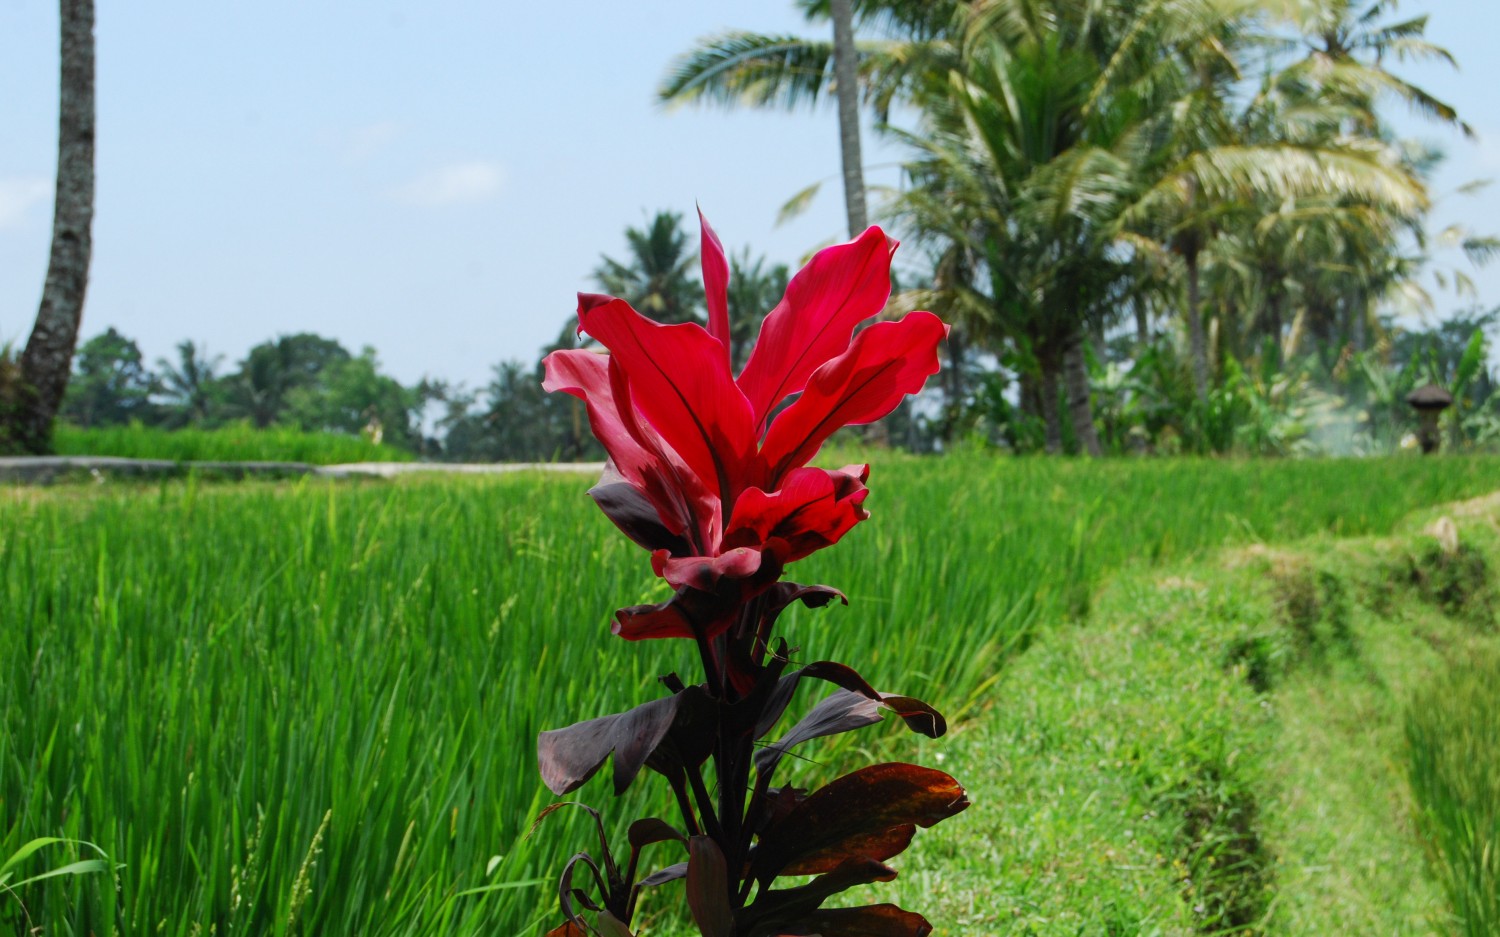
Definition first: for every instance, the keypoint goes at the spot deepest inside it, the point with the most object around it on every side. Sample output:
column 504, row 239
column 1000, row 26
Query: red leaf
column 838, row 289
column 704, row 572
column 669, row 619
column 812, row 509
column 708, row 888
column 886, row 362
column 678, row 379
column 638, row 454
column 715, row 284
column 871, row 813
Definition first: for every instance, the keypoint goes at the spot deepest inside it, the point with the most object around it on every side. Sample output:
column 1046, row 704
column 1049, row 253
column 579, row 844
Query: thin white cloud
column 17, row 196
column 455, row 184
column 361, row 143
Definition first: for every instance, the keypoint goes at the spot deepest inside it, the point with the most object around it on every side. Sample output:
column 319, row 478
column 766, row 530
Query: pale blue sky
column 438, row 179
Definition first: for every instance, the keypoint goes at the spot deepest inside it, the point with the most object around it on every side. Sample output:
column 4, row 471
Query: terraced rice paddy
column 311, row 708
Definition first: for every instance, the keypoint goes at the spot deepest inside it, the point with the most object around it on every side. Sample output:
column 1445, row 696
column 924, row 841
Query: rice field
column 311, row 707
column 234, row 442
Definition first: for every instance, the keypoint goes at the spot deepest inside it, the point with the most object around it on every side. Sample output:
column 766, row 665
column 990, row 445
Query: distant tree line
column 302, row 380
column 1329, row 397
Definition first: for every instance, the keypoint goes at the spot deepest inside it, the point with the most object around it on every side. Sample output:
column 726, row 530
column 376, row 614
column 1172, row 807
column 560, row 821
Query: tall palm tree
column 1291, row 149
column 1015, row 163
column 658, row 277
column 845, row 65
column 47, row 359
column 1347, row 54
column 738, row 68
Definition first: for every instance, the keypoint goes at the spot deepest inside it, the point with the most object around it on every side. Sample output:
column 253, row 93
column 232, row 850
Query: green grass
column 1453, row 733
column 236, row 442
column 231, row 689
column 1141, row 774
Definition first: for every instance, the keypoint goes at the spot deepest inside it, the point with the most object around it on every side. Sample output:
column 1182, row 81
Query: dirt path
column 42, row 470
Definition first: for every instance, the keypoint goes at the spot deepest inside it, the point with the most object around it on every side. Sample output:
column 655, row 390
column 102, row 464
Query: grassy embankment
column 311, row 708
column 1290, row 740
column 236, row 442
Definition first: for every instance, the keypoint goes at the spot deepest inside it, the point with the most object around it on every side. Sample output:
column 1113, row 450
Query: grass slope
column 1220, row 749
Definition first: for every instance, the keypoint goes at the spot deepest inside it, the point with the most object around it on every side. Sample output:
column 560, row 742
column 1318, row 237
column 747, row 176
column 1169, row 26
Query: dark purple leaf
column 876, row 920
column 708, row 888
column 651, row 830
column 918, row 716
column 841, row 712
column 565, row 889
column 871, row 813
column 774, row 909
column 646, row 832
column 778, row 802
column 662, row 876
column 691, row 738
column 569, row 757
column 635, row 515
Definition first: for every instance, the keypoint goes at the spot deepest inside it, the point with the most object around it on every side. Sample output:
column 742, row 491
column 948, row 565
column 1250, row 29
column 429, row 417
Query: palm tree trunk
column 1142, row 322
column 954, row 388
column 1359, row 312
column 1076, row 377
column 1047, row 398
column 1197, row 342
column 1273, row 313
column 846, row 87
column 48, row 357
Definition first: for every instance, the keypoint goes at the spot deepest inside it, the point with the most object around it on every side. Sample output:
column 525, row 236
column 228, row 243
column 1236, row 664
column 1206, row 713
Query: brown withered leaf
column 870, row 813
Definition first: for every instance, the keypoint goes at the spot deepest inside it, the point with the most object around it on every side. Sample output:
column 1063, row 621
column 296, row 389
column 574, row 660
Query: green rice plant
column 234, row 442
column 13, row 888
column 1453, row 740
column 236, row 688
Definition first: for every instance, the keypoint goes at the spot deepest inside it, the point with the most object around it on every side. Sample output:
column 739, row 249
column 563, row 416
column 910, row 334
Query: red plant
column 708, row 471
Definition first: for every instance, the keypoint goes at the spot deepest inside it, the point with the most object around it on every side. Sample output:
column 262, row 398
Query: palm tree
column 190, row 384
column 1022, row 160
column 1293, row 152
column 48, row 357
column 743, row 68
column 1347, row 51
column 658, row 278
column 846, row 88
